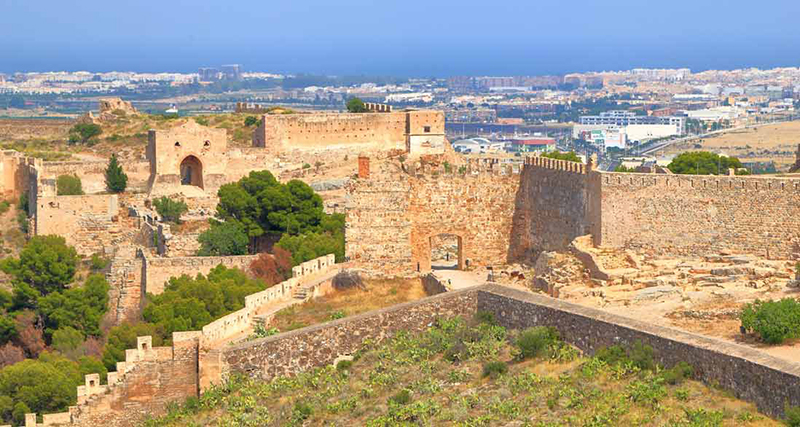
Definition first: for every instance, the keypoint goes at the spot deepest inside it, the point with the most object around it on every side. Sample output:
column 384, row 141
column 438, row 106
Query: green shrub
column 22, row 220
column 792, row 416
column 338, row 314
column 678, row 373
column 483, row 316
column 224, row 239
column 344, row 365
column 84, row 133
column 642, row 356
column 301, row 411
column 202, row 121
column 99, row 263
column 570, row 157
column 69, row 185
column 494, row 369
column 403, row 397
column 773, row 321
column 306, row 166
column 116, row 179
column 534, row 342
column 170, row 210
column 5, row 205
column 250, row 121
column 356, row 105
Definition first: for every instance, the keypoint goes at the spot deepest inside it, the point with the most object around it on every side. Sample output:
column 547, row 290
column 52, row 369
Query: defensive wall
column 700, row 214
column 413, row 131
column 390, row 222
column 502, row 216
column 749, row 374
column 151, row 377
column 90, row 223
column 158, row 270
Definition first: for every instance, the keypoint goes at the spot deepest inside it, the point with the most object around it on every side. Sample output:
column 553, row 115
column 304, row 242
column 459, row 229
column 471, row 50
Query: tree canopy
column 170, row 210
column 46, row 264
column 116, row 179
column 703, row 163
column 356, row 105
column 223, row 239
column 570, row 157
column 84, row 133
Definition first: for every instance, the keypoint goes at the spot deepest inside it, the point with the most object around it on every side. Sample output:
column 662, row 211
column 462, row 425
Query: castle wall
column 552, row 207
column 90, row 223
column 390, row 223
column 700, row 214
column 748, row 373
column 315, row 346
column 143, row 385
column 158, row 271
column 365, row 131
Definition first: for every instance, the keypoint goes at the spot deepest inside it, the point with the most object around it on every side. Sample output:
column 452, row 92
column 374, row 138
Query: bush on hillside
column 116, row 179
column 224, row 239
column 45, row 264
column 69, row 185
column 570, row 157
column 170, row 210
column 773, row 321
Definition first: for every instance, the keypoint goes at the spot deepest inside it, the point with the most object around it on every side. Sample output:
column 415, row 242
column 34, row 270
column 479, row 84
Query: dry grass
column 776, row 142
column 376, row 294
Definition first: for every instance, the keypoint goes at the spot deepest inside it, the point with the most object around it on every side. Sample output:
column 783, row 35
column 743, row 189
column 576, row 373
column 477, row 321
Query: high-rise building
column 231, row 72
column 208, row 74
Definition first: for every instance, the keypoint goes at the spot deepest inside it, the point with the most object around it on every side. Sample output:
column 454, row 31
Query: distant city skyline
column 412, row 38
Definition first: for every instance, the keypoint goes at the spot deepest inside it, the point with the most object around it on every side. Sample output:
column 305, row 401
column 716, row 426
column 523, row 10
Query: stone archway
column 192, row 171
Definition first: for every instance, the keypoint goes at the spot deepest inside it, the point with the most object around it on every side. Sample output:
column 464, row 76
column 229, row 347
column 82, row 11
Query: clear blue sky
column 406, row 38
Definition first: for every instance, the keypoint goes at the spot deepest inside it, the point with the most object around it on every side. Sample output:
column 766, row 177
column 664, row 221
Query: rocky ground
column 698, row 294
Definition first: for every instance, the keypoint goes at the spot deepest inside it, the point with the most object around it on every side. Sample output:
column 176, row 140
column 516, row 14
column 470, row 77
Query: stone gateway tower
column 189, row 159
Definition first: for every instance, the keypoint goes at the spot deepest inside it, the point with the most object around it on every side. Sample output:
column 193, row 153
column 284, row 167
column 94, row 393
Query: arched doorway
column 192, row 172
column 446, row 252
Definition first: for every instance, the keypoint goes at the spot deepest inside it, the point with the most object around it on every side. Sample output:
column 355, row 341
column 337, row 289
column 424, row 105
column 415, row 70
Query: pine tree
column 116, row 180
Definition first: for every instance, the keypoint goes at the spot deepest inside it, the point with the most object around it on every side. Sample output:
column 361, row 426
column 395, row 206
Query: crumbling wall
column 90, row 223
column 697, row 215
column 390, row 222
column 551, row 208
column 157, row 270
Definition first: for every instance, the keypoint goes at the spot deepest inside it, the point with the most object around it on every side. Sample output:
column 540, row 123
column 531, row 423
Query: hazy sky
column 406, row 38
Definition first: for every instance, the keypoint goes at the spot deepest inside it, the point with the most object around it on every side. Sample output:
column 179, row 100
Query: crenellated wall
column 151, row 377
column 687, row 214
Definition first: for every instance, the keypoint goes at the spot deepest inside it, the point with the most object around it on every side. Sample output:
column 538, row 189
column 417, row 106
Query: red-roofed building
column 534, row 144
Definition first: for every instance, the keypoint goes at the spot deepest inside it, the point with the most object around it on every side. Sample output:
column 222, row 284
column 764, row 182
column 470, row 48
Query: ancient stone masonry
column 796, row 167
column 157, row 270
column 390, row 222
column 15, row 170
column 187, row 155
column 750, row 374
column 416, row 132
column 151, row 377
column 552, row 207
column 90, row 223
column 682, row 214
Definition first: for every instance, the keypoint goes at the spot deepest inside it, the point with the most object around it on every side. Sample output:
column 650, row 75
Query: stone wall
column 390, row 223
column 92, row 174
column 551, row 208
column 324, row 131
column 90, row 223
column 750, row 374
column 700, row 214
column 297, row 351
column 157, row 271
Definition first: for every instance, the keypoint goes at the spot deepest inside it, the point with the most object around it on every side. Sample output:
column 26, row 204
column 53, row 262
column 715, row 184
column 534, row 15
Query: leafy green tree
column 79, row 308
column 250, row 121
column 356, row 105
column 773, row 321
column 67, row 340
column 224, row 239
column 189, row 304
column 624, row 169
column 84, row 133
column 170, row 210
column 69, row 185
column 702, row 163
column 263, row 205
column 306, row 247
column 45, row 264
column 570, row 157
column 116, row 179
column 8, row 329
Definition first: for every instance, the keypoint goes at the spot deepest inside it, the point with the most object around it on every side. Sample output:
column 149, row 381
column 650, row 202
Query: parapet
column 472, row 168
column 557, row 165
column 705, row 182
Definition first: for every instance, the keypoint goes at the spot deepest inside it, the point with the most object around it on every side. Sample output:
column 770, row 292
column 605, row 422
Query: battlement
column 556, row 164
column 705, row 182
column 146, row 360
column 473, row 168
